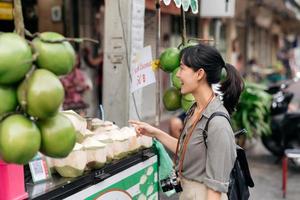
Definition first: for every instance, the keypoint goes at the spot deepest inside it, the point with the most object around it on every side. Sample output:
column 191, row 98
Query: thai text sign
column 141, row 71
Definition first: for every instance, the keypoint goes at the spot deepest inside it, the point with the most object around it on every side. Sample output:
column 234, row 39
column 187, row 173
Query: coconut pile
column 31, row 96
column 98, row 142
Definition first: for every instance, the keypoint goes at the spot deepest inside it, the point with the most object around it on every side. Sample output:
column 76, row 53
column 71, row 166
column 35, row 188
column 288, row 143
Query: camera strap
column 187, row 138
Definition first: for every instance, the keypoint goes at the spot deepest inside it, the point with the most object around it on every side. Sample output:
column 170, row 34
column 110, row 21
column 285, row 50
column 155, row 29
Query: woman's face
column 188, row 77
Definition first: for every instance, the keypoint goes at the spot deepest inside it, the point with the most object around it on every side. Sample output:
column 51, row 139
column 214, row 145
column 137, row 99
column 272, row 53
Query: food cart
column 134, row 177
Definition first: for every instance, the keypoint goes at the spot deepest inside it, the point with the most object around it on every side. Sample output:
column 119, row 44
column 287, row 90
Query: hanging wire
column 158, row 20
column 127, row 58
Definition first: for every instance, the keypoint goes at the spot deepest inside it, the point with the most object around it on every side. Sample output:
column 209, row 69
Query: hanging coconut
column 20, row 139
column 170, row 59
column 187, row 101
column 15, row 58
column 8, row 96
column 175, row 80
column 41, row 94
column 57, row 57
column 58, row 136
column 171, row 99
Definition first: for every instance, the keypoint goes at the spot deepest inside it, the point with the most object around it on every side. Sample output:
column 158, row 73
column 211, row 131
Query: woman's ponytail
column 231, row 87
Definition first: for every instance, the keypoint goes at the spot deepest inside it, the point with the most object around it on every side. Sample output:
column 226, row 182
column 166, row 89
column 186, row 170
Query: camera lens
column 166, row 185
column 178, row 188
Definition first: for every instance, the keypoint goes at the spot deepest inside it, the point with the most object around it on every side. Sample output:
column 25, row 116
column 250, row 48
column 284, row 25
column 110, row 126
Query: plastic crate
column 12, row 185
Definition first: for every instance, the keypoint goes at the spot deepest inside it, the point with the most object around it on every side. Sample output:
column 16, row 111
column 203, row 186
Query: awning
column 173, row 6
column 186, row 4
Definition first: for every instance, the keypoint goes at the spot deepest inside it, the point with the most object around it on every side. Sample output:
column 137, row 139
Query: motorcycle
column 285, row 125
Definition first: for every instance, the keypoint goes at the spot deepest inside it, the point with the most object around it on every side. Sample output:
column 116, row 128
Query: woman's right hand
column 143, row 128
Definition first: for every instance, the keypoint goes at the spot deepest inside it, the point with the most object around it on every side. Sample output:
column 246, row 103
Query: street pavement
column 267, row 173
column 267, row 176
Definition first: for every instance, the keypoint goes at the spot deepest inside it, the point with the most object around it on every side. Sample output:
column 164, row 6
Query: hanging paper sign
column 167, row 2
column 186, row 4
column 177, row 3
column 39, row 169
column 142, row 73
column 217, row 8
column 194, row 6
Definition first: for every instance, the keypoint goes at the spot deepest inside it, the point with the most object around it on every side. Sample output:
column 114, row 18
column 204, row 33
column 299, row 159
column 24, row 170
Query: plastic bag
column 165, row 164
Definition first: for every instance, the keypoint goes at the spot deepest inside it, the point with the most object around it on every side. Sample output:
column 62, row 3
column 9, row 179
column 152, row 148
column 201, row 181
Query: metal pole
column 157, row 74
column 18, row 18
column 183, row 25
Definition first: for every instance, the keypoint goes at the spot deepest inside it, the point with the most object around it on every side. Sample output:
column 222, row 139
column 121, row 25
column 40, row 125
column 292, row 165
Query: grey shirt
column 211, row 165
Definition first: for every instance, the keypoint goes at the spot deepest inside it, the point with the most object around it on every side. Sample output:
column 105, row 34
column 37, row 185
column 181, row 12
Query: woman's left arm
column 220, row 157
column 213, row 195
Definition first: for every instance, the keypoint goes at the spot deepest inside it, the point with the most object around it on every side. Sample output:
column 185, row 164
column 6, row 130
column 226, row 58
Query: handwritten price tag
column 39, row 169
column 141, row 70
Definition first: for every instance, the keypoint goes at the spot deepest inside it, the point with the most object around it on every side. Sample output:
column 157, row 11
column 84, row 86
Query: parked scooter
column 285, row 125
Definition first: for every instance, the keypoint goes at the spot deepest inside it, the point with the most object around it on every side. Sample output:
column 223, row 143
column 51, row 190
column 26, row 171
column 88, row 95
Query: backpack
column 240, row 177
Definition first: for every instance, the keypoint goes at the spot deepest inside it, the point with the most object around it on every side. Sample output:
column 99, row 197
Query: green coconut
column 58, row 57
column 170, row 59
column 58, row 136
column 8, row 96
column 15, row 58
column 187, row 101
column 175, row 80
column 41, row 94
column 171, row 99
column 20, row 139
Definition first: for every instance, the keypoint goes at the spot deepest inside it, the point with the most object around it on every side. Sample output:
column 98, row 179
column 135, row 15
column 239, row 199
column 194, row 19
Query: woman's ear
column 200, row 74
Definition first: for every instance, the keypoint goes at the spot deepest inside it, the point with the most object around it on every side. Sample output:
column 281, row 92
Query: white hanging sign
column 178, row 3
column 186, row 4
column 217, row 8
column 167, row 2
column 141, row 70
column 194, row 6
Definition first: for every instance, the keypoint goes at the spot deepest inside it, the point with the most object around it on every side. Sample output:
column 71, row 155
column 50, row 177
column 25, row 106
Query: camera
column 170, row 183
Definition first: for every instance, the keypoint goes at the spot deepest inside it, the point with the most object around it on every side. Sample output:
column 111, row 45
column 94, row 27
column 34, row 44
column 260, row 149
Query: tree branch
column 18, row 18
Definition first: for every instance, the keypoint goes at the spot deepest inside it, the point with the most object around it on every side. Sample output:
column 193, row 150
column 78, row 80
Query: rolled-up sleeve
column 221, row 154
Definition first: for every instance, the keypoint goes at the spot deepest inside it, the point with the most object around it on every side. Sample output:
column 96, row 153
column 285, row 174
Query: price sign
column 141, row 71
column 39, row 169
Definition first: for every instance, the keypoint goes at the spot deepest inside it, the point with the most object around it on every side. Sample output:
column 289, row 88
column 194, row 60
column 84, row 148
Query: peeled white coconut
column 134, row 145
column 110, row 128
column 100, row 131
column 106, row 126
column 145, row 141
column 88, row 133
column 78, row 122
column 103, row 137
column 108, row 123
column 95, row 123
column 96, row 153
column 74, row 164
column 106, row 139
column 120, row 144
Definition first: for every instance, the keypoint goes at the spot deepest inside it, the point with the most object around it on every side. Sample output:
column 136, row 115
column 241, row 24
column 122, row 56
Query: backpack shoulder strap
column 210, row 118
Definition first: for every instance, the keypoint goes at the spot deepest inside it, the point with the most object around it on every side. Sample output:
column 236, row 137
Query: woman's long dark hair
column 210, row 60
